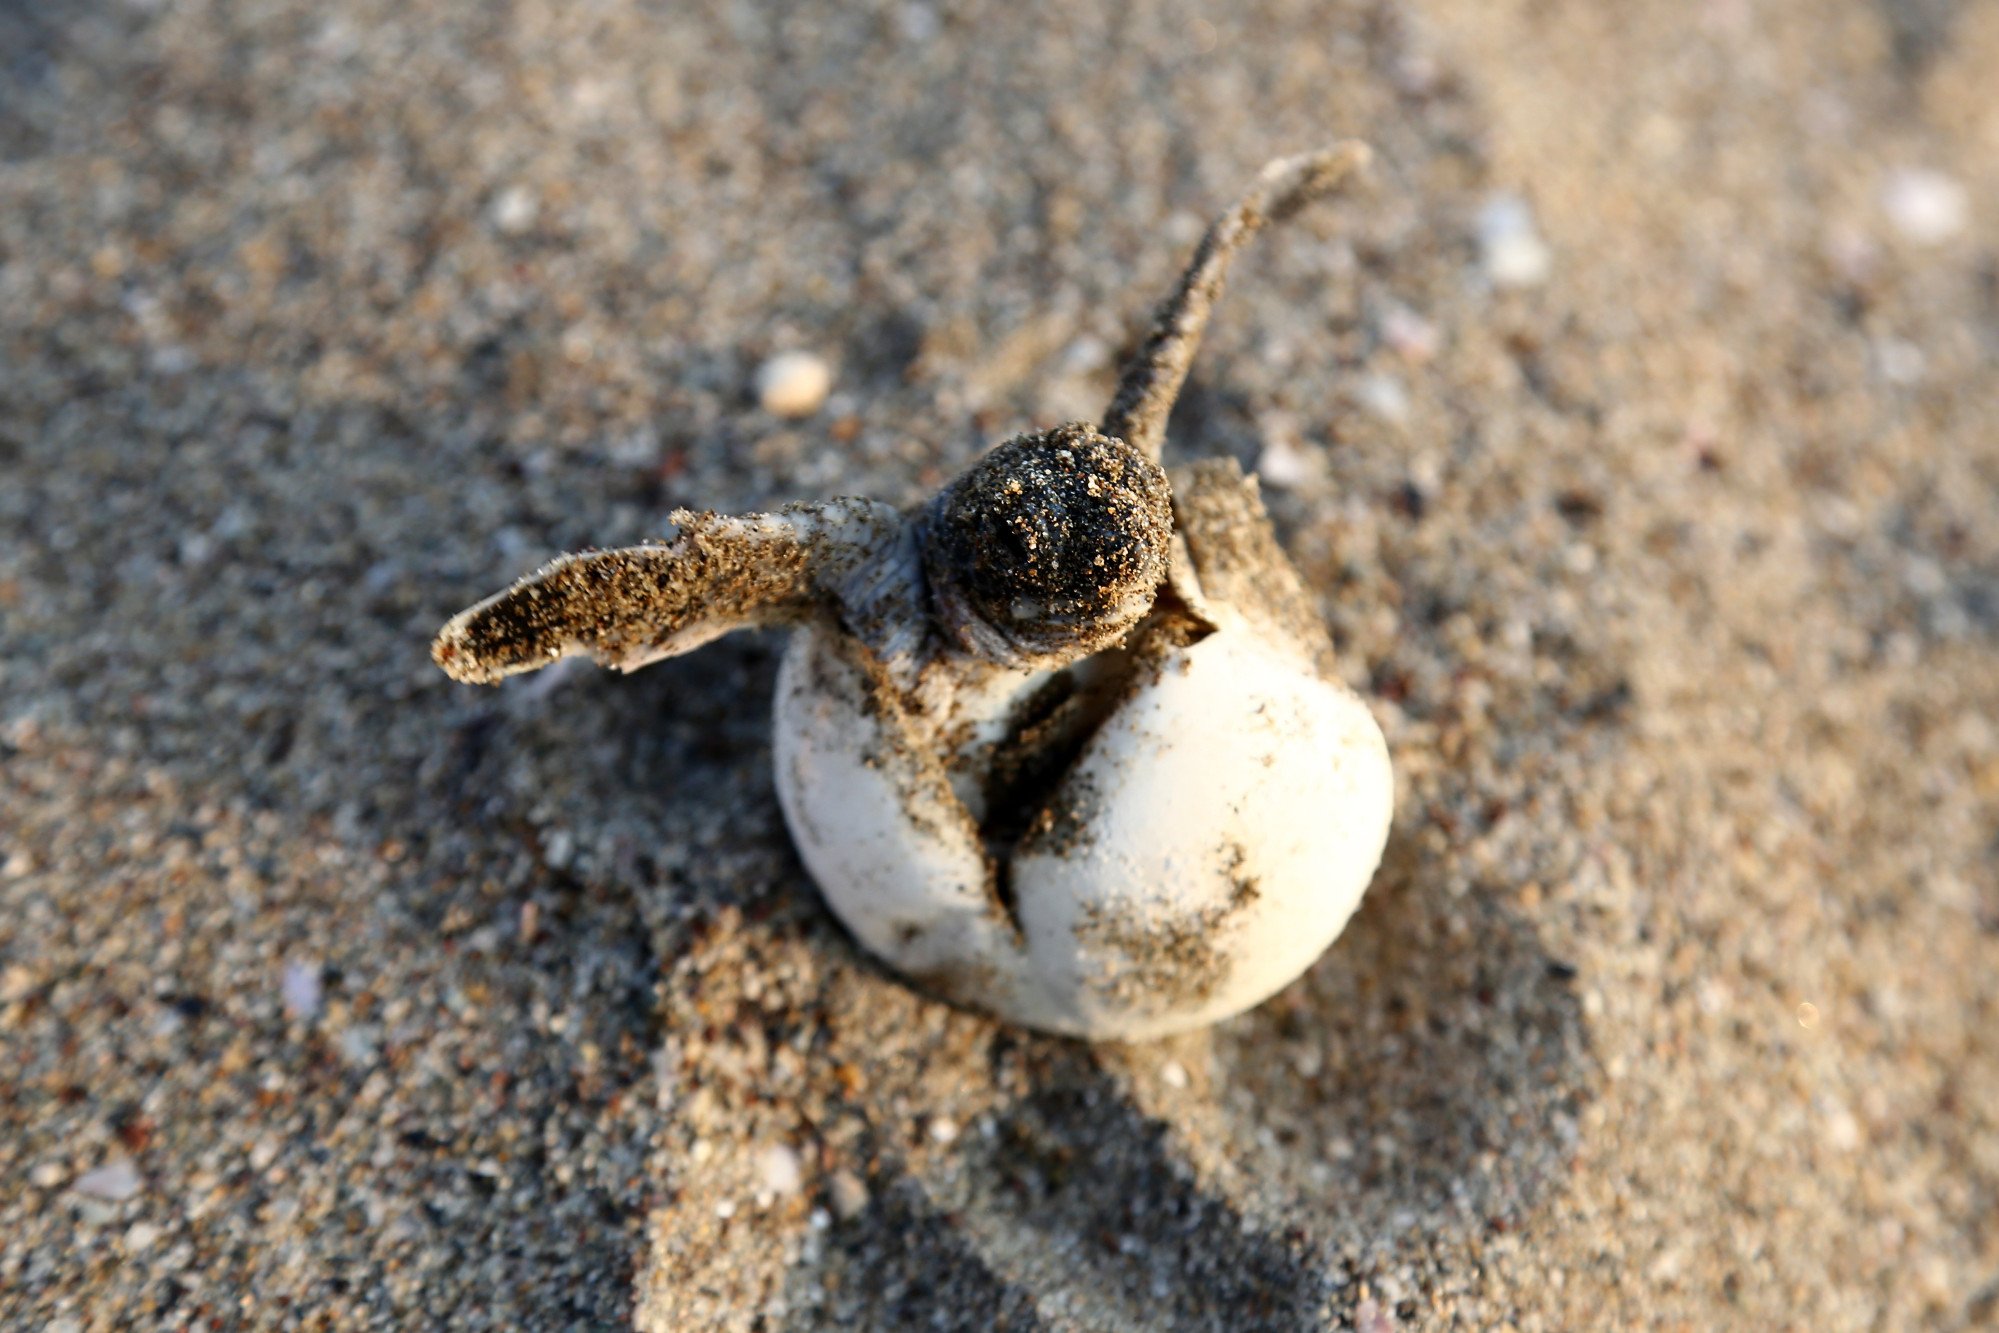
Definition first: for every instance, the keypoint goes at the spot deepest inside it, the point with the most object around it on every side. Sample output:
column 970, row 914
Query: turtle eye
column 1051, row 546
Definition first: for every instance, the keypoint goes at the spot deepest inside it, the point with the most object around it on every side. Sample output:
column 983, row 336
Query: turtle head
column 1050, row 548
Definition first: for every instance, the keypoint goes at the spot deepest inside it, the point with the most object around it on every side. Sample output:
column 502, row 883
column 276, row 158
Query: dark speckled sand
column 333, row 994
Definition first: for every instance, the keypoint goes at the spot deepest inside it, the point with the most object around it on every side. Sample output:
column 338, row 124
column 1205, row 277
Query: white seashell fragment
column 117, row 1180
column 515, row 210
column 1511, row 246
column 1927, row 207
column 780, row 1173
column 793, row 384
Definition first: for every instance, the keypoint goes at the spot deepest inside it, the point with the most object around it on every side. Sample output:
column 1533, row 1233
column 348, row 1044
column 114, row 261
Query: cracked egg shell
column 1207, row 841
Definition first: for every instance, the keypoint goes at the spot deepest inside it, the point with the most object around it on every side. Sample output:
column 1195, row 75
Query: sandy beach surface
column 1637, row 427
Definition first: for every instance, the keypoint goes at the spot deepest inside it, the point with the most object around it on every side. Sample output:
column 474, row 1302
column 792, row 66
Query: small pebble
column 1369, row 1317
column 1512, row 248
column 943, row 1130
column 1173, row 1074
column 1417, row 74
column 46, row 1175
column 1384, row 396
column 358, row 1044
column 919, row 24
column 1900, row 362
column 302, row 990
column 558, row 849
column 1283, row 464
column 1927, row 207
column 794, row 384
column 116, row 1180
column 1086, row 355
column 515, row 210
column 848, row 1195
column 1852, row 253
column 1414, row 338
column 779, row 1171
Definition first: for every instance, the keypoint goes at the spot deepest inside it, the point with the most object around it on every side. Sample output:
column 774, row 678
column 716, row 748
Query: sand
column 1637, row 430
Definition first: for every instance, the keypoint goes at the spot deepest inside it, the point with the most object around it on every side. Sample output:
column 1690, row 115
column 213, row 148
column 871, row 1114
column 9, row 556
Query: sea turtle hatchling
column 1063, row 743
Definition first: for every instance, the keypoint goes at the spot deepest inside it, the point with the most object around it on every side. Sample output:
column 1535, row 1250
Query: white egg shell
column 1244, row 805
column 1221, row 826
column 889, row 842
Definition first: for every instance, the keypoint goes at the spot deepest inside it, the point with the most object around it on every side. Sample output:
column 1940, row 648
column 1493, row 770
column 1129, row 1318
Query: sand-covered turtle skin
column 1065, row 742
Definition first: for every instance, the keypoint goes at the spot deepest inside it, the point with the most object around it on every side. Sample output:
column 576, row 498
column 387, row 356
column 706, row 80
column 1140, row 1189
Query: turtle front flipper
column 1151, row 381
column 634, row 605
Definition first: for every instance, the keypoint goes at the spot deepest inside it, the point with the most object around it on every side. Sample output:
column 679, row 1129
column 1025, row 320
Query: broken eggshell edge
column 1211, row 839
